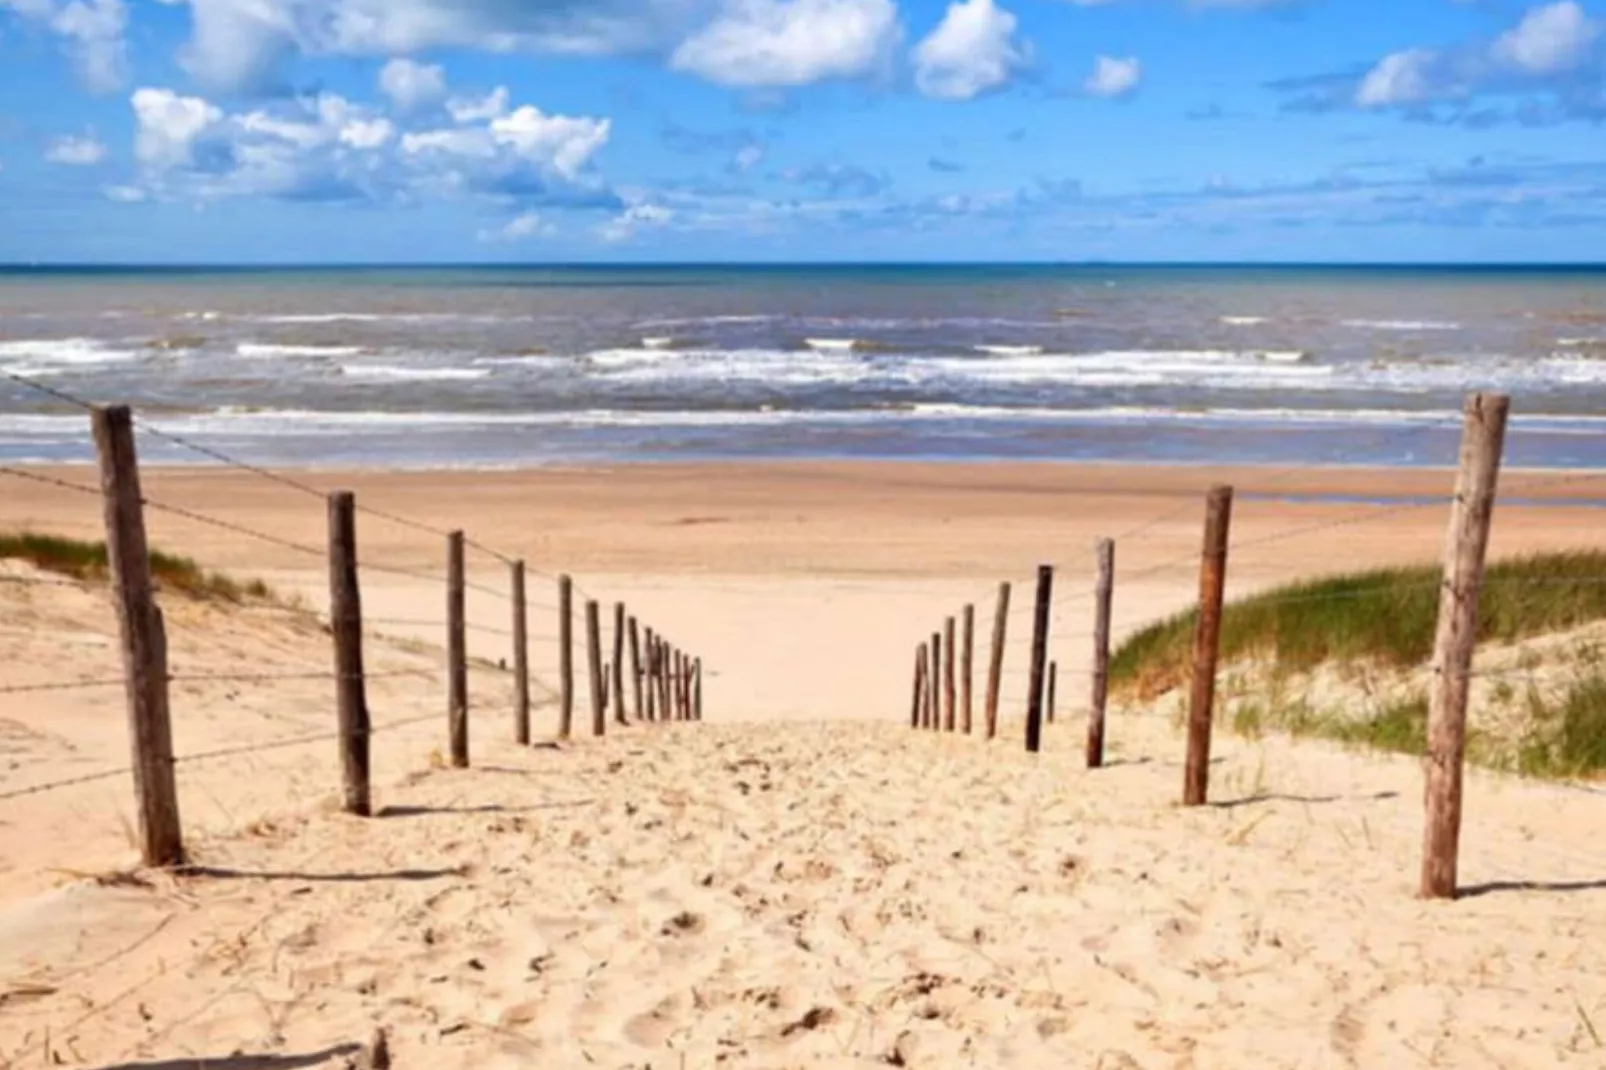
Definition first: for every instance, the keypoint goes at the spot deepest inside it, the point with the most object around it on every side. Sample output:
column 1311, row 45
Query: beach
column 799, row 880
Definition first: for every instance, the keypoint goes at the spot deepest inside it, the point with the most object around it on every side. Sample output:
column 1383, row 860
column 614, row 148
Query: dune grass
column 1385, row 617
column 84, row 560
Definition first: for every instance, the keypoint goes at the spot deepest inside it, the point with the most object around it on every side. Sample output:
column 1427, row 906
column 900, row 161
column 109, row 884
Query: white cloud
column 491, row 106
column 126, row 194
column 73, row 151
column 412, row 86
column 634, row 219
column 91, row 32
column 1400, row 78
column 519, row 228
column 238, row 44
column 1549, row 40
column 747, row 157
column 971, row 51
column 786, row 43
column 563, row 143
column 1113, row 77
column 168, row 126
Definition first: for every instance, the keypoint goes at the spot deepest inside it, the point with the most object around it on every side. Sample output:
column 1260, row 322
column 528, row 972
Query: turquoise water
column 499, row 366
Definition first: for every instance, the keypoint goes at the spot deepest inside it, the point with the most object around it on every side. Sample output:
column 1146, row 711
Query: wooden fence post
column 1482, row 440
column 1053, row 680
column 635, row 669
column 665, row 706
column 1103, row 595
column 144, row 639
column 685, row 684
column 936, row 681
column 456, row 651
column 917, row 710
column 967, row 667
column 521, row 659
column 345, row 625
column 949, row 697
column 995, row 665
column 565, row 657
column 651, row 677
column 1034, row 699
column 619, row 664
column 697, row 690
column 599, row 684
column 1207, row 645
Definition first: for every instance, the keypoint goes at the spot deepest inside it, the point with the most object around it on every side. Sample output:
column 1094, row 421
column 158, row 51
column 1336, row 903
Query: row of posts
column 1466, row 547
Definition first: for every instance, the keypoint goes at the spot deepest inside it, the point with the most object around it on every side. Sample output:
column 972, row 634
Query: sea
column 498, row 367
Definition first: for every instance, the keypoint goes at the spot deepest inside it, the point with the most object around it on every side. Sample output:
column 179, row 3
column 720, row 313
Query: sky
column 376, row 131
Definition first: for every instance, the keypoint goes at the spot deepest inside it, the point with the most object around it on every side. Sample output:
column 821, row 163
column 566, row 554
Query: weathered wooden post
column 345, row 625
column 456, row 651
column 665, row 682
column 936, row 681
column 918, row 709
column 521, row 659
column 599, row 685
column 995, row 665
column 1034, row 700
column 1053, row 678
column 1207, row 645
column 618, row 664
column 967, row 666
column 1482, row 440
column 635, row 669
column 565, row 657
column 949, row 695
column 144, row 639
column 651, row 670
column 1103, row 595
column 697, row 691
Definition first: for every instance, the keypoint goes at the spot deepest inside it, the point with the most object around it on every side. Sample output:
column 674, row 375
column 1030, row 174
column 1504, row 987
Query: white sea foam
column 1133, row 368
column 1244, row 321
column 205, row 317
column 1582, row 343
column 695, row 321
column 59, row 354
column 1284, row 356
column 265, row 350
column 658, row 342
column 399, row 373
column 1402, row 325
column 1009, row 351
column 768, row 366
column 831, row 345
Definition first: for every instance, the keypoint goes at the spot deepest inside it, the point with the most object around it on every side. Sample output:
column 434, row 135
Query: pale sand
column 933, row 901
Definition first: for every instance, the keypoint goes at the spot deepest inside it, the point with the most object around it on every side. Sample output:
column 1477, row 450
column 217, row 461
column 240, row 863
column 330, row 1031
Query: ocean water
column 494, row 367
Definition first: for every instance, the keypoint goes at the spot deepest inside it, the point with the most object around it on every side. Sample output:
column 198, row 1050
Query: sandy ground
column 799, row 881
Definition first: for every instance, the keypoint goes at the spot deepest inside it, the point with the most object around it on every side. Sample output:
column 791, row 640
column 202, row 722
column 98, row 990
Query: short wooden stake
column 521, row 659
column 1482, row 440
column 1053, row 678
column 950, row 700
column 599, row 682
column 565, row 657
column 1034, row 700
column 618, row 664
column 697, row 690
column 650, row 669
column 144, row 639
column 1207, row 645
column 345, row 625
column 635, row 669
column 665, row 671
column 456, row 652
column 995, row 664
column 918, row 709
column 1103, row 594
column 967, row 667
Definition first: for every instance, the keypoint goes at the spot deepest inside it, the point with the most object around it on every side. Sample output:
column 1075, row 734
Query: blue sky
column 620, row 130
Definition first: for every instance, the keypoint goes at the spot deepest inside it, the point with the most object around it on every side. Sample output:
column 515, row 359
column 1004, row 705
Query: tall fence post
column 635, row 669
column 918, row 708
column 967, row 666
column 685, row 684
column 651, row 677
column 666, row 708
column 521, row 659
column 599, row 708
column 1207, row 645
column 1053, row 688
column 697, row 690
column 1034, row 700
column 936, row 681
column 619, row 663
column 1482, row 440
column 565, row 657
column 456, row 652
column 949, row 696
column 345, row 625
column 995, row 664
column 144, row 639
column 1103, row 596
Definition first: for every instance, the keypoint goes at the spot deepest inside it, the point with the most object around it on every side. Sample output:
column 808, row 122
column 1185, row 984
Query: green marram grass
column 84, row 560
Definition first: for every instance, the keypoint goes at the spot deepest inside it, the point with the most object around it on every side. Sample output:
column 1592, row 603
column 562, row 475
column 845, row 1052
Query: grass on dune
column 84, row 560
column 1385, row 617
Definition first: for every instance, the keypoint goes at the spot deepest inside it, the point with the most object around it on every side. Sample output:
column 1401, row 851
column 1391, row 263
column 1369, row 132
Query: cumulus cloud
column 167, row 126
column 973, row 49
column 1549, row 40
column 481, row 109
column 91, row 33
column 1401, row 78
column 634, row 219
column 519, row 228
column 787, row 43
column 411, row 86
column 1113, row 77
column 73, row 151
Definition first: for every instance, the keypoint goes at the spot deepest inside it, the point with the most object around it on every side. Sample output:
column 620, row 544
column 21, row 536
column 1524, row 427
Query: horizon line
column 16, row 267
